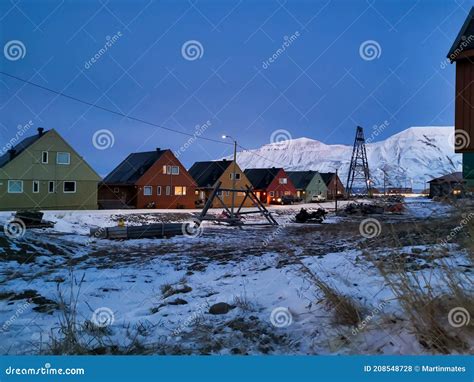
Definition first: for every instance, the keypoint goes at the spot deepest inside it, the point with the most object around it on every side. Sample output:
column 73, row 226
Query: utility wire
column 112, row 111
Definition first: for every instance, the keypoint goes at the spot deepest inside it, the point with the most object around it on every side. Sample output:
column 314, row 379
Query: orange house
column 207, row 174
column 153, row 179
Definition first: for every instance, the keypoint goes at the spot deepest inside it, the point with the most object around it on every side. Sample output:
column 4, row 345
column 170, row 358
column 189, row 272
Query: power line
column 261, row 156
column 112, row 111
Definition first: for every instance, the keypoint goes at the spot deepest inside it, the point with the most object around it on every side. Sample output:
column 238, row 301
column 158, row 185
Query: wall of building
column 315, row 187
column 468, row 170
column 275, row 189
column 28, row 167
column 464, row 109
column 155, row 177
column 335, row 184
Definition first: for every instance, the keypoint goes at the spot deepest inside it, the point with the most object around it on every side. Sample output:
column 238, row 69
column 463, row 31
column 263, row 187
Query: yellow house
column 208, row 174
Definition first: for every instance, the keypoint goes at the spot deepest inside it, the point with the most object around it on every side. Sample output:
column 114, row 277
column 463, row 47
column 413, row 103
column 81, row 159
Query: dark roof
column 465, row 38
column 301, row 179
column 23, row 145
column 327, row 176
column 261, row 177
column 206, row 174
column 455, row 177
column 133, row 167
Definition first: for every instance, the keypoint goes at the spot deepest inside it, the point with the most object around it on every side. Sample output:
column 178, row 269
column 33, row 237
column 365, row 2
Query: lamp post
column 233, row 173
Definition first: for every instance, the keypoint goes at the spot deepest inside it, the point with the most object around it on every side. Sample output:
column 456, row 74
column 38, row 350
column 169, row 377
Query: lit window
column 158, row 190
column 168, row 190
column 147, row 190
column 36, row 186
column 283, row 180
column 44, row 157
column 15, row 186
column 51, row 186
column 288, row 192
column 69, row 187
column 180, row 190
column 164, row 169
column 63, row 158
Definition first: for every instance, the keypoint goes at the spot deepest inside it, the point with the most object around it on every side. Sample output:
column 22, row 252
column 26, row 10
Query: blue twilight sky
column 320, row 86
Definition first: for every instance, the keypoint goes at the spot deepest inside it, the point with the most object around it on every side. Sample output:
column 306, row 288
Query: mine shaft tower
column 359, row 167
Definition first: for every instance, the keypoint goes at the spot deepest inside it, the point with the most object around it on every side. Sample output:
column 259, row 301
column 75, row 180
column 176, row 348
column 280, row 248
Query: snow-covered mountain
column 409, row 158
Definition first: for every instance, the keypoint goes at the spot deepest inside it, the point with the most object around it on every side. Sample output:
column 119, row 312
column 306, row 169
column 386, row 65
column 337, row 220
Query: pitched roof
column 261, row 177
column 327, row 176
column 206, row 174
column 455, row 177
column 301, row 179
column 133, row 167
column 22, row 146
column 465, row 38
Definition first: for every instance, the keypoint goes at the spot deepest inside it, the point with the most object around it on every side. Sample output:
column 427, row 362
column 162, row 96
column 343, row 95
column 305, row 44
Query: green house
column 44, row 172
column 310, row 186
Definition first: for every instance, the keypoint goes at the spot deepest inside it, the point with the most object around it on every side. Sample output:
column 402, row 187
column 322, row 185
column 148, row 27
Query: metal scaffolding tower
column 359, row 167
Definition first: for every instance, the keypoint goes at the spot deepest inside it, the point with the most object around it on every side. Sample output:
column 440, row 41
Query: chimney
column 12, row 153
column 158, row 149
column 40, row 131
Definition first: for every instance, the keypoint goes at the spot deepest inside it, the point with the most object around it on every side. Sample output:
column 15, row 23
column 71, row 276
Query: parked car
column 282, row 200
column 317, row 198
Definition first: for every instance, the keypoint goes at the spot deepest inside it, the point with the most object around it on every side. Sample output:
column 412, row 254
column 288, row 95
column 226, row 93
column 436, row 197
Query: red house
column 153, row 179
column 270, row 184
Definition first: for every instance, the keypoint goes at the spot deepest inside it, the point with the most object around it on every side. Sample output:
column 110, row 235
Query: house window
column 283, row 180
column 237, row 176
column 147, row 190
column 15, row 186
column 272, row 193
column 116, row 190
column 51, row 186
column 180, row 190
column 227, row 193
column 158, row 190
column 171, row 170
column 69, row 187
column 288, row 192
column 44, row 157
column 63, row 158
column 36, row 186
column 168, row 190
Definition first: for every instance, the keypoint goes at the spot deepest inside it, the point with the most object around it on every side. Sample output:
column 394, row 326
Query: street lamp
column 233, row 173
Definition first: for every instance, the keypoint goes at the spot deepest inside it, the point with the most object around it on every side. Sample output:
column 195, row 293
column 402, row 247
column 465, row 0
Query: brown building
column 462, row 53
column 207, row 174
column 153, row 179
column 451, row 185
column 334, row 185
column 271, row 185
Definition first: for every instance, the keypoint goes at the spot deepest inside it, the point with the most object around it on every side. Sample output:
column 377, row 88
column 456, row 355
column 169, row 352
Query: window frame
column 64, row 187
column 237, row 176
column 37, row 182
column 283, row 180
column 51, row 182
column 21, row 186
column 168, row 190
column 158, row 190
column 148, row 188
column 272, row 193
column 174, row 168
column 42, row 157
column 183, row 190
column 63, row 152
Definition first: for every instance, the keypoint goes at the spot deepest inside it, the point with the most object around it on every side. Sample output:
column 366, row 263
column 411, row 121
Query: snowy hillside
column 409, row 158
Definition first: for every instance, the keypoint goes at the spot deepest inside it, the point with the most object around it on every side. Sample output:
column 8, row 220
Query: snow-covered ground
column 158, row 293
